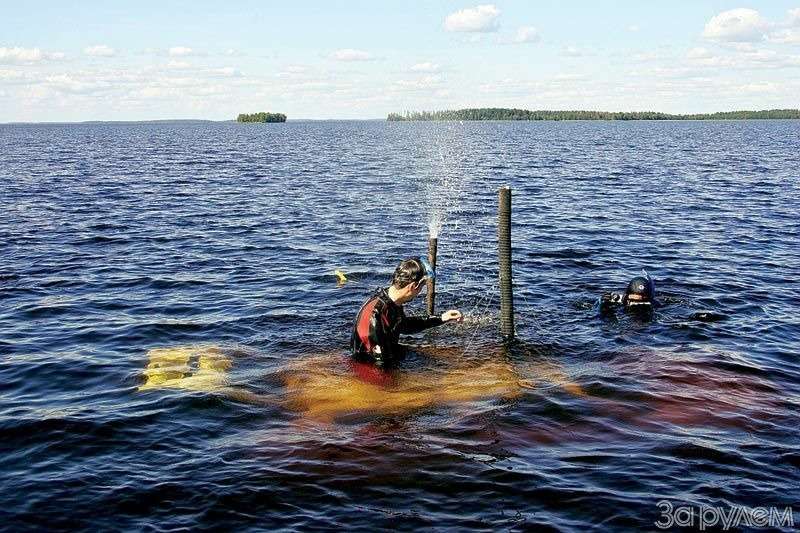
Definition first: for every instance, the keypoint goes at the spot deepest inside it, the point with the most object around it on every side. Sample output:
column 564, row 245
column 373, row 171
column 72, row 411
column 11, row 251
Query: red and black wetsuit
column 379, row 323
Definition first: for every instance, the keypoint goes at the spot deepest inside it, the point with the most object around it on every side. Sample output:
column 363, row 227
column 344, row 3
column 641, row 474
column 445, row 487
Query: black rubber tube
column 430, row 299
column 504, row 256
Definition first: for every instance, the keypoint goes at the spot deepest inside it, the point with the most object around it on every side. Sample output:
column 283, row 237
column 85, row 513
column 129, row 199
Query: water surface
column 172, row 336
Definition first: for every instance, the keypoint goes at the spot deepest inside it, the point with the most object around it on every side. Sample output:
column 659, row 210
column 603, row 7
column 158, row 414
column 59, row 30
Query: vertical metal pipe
column 430, row 299
column 504, row 255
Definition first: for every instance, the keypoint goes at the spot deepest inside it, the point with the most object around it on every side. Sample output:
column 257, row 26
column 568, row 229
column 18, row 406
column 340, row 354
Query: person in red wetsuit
column 381, row 320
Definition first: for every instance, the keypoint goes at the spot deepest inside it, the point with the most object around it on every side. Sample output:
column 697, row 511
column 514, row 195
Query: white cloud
column 759, row 87
column 27, row 56
column 293, row 72
column 313, row 84
column 568, row 77
column 572, row 51
column 10, row 76
column 789, row 31
column 20, row 55
column 633, row 28
column 794, row 17
column 527, row 34
column 180, row 51
column 179, row 65
column 644, row 57
column 741, row 47
column 226, row 72
column 349, row 54
column 129, row 88
column 560, row 91
column 155, row 93
column 100, row 50
column 736, row 25
column 36, row 92
column 769, row 59
column 698, row 53
column 786, row 36
column 423, row 84
column 482, row 18
column 738, row 58
column 426, row 67
column 70, row 84
column 509, row 86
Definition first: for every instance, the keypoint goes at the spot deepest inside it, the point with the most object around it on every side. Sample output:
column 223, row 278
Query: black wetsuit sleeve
column 415, row 324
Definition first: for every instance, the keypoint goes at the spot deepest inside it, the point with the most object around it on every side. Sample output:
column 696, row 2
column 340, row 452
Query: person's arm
column 415, row 324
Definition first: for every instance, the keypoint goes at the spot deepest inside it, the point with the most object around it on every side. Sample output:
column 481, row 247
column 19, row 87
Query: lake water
column 173, row 338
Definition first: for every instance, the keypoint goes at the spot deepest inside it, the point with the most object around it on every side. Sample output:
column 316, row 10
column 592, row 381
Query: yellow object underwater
column 341, row 278
column 200, row 368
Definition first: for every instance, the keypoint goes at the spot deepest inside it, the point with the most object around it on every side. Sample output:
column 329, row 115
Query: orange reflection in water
column 662, row 386
column 326, row 387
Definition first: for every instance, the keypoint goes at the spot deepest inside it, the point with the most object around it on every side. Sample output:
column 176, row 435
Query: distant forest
column 499, row 113
column 261, row 117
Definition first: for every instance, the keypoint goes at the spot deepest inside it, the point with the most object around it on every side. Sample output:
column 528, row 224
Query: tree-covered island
column 261, row 117
column 499, row 113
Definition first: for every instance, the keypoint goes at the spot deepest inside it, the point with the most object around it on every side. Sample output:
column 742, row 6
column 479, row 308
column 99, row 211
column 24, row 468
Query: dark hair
column 408, row 271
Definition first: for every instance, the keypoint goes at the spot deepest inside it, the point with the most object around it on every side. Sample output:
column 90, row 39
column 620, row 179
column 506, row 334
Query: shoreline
column 517, row 114
column 209, row 121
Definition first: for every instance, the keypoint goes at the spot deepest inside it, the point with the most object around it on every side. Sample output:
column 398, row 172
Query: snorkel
column 429, row 272
column 651, row 285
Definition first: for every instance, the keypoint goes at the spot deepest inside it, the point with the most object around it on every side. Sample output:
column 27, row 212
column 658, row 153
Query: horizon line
column 165, row 120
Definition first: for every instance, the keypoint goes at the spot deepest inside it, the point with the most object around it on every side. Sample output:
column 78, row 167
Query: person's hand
column 452, row 314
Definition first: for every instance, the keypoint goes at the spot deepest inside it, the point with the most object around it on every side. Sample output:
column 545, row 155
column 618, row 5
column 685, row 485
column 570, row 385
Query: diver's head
column 640, row 292
column 409, row 278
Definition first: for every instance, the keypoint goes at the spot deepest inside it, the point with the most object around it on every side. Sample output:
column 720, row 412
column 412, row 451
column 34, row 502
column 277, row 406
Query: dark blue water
column 125, row 242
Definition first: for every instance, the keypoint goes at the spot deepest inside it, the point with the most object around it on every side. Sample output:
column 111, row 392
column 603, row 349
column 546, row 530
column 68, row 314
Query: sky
column 337, row 59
